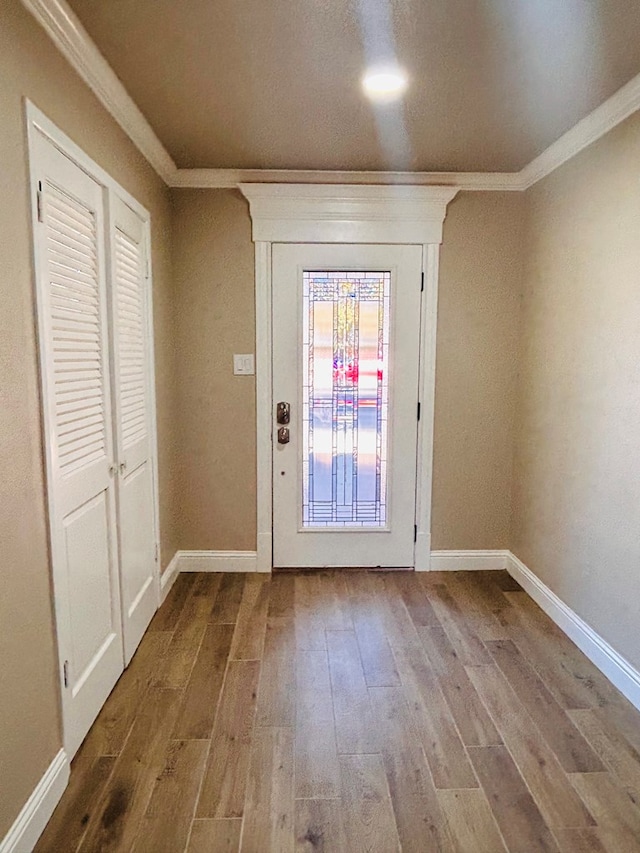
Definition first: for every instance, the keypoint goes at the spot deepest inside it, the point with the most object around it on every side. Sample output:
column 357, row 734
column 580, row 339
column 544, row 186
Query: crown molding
column 227, row 178
column 70, row 37
column 604, row 118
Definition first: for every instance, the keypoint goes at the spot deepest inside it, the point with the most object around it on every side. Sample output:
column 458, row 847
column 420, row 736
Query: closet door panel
column 136, row 512
column 86, row 540
column 74, row 354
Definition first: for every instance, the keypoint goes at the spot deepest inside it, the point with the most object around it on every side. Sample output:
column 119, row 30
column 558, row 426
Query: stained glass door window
column 345, row 398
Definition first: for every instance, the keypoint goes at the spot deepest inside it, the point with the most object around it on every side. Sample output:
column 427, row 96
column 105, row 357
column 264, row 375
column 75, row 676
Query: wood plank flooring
column 355, row 711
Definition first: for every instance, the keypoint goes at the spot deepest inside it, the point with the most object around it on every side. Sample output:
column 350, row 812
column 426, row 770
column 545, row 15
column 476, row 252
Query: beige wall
column 214, row 281
column 30, row 66
column 477, row 347
column 576, row 474
column 476, row 365
column 577, row 471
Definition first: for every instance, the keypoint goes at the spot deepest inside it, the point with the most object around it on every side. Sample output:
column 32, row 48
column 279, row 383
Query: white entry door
column 74, row 352
column 130, row 338
column 346, row 328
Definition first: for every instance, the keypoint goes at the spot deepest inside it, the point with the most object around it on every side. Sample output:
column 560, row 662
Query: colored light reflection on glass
column 345, row 398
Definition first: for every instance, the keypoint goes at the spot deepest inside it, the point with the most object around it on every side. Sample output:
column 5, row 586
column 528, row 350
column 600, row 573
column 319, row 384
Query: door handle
column 283, row 435
column 283, row 413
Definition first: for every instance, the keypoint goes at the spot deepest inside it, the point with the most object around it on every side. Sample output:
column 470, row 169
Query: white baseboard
column 33, row 818
column 247, row 561
column 168, row 577
column 615, row 667
column 217, row 561
column 466, row 561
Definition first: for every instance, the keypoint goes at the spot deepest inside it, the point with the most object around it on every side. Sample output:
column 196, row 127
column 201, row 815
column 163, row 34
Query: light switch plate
column 243, row 365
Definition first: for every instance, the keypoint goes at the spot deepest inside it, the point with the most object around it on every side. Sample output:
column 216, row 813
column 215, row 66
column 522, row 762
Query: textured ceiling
column 275, row 84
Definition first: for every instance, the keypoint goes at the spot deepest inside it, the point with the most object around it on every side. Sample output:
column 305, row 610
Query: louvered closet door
column 136, row 525
column 73, row 334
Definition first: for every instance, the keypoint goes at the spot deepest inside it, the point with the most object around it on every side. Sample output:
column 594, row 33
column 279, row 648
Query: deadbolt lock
column 283, row 435
column 283, row 413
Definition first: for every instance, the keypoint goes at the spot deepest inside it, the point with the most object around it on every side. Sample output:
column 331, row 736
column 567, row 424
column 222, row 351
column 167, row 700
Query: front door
column 346, row 329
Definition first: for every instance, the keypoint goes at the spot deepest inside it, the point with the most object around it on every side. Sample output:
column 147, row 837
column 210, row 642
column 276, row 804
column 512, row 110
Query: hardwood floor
column 355, row 711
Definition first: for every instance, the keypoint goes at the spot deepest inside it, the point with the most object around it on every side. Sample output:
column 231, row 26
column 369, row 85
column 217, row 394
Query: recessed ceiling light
column 384, row 84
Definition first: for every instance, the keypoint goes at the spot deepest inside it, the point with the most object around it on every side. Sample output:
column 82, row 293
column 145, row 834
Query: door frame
column 37, row 124
column 317, row 213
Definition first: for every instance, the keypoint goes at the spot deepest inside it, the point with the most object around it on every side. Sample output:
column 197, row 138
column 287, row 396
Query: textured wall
column 476, row 364
column 476, row 367
column 577, row 470
column 31, row 66
column 214, row 281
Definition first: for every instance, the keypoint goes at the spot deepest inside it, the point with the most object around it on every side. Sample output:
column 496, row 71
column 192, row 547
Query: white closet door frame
column 38, row 124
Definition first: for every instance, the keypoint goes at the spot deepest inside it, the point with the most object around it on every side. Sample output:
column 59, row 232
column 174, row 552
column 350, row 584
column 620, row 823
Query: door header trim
column 342, row 213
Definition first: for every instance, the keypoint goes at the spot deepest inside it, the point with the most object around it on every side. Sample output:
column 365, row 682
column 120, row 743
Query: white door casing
column 294, row 213
column 133, row 433
column 70, row 259
column 392, row 543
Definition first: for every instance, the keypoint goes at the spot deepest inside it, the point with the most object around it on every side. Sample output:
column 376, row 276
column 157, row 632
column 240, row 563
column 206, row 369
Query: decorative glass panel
column 345, row 398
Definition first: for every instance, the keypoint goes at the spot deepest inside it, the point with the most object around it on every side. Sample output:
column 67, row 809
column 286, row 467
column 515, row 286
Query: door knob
column 283, row 413
column 283, row 435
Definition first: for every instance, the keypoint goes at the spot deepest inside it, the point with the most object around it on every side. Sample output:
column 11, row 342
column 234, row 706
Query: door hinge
column 65, row 673
column 147, row 268
column 418, row 409
column 415, row 532
column 157, row 552
column 39, row 202
column 421, row 282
